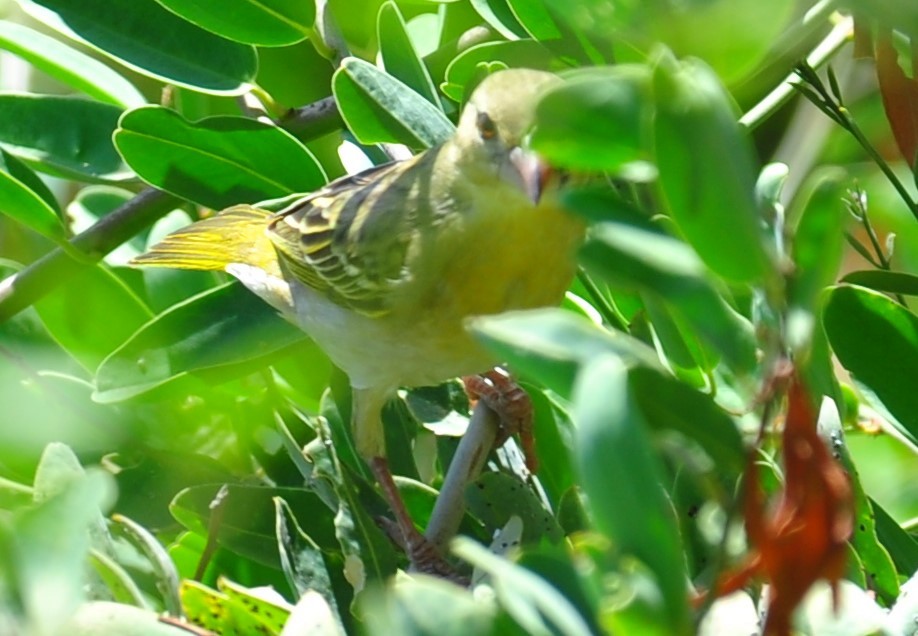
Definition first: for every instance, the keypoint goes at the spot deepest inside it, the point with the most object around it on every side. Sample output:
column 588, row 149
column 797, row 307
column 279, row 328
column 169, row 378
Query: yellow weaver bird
column 382, row 269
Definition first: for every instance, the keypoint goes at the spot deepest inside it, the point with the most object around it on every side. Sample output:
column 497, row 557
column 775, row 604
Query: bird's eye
column 486, row 127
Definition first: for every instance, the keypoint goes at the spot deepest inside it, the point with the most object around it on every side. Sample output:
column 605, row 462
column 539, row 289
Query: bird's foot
column 512, row 404
column 423, row 555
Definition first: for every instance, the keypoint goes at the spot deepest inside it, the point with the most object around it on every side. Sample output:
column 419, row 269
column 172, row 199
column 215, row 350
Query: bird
column 383, row 269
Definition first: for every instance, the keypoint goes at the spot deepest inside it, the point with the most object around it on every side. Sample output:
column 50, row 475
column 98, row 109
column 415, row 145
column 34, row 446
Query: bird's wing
column 351, row 239
column 234, row 236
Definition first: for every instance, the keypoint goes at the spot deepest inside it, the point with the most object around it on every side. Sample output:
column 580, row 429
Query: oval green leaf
column 223, row 333
column 818, row 236
column 535, row 18
column 499, row 16
column 69, row 66
column 399, row 57
column 63, row 136
column 550, row 345
column 707, row 171
column 218, row 161
column 876, row 339
column 379, row 108
column 622, row 479
column 884, row 281
column 597, row 120
column 146, row 37
column 466, row 66
column 261, row 22
column 21, row 198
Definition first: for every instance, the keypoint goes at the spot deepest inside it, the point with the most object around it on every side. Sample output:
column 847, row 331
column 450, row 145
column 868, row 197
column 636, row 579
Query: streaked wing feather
column 350, row 239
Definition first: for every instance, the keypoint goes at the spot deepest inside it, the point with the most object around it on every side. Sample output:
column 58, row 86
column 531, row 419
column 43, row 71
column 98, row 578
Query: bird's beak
column 531, row 171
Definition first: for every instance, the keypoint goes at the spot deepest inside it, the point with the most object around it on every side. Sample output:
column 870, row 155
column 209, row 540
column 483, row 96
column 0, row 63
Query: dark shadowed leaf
column 226, row 331
column 63, row 136
column 24, row 197
column 143, row 35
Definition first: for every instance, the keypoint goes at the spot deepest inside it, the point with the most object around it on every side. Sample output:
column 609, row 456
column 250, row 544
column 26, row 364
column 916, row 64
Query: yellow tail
column 235, row 235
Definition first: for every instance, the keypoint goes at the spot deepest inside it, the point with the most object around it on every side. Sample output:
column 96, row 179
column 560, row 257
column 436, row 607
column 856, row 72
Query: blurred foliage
column 221, row 487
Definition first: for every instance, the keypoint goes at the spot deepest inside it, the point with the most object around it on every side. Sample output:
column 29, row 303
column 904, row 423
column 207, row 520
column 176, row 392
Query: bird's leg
column 512, row 404
column 370, row 440
column 423, row 555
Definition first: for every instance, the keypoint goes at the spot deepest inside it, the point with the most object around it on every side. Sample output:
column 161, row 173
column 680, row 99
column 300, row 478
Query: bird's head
column 494, row 126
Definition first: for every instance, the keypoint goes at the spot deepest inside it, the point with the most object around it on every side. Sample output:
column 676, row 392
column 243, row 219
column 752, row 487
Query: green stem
column 881, row 163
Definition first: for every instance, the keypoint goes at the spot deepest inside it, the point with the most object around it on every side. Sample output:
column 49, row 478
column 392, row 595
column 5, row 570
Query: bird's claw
column 513, row 406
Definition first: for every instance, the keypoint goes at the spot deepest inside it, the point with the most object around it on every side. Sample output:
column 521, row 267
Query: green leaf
column 876, row 340
column 379, row 108
column 818, row 236
column 144, row 36
column 466, row 66
column 654, row 263
column 302, row 560
column 244, row 519
column 609, row 127
column 667, row 403
column 86, row 335
column 499, row 16
column 69, row 66
column 495, row 497
column 878, row 566
column 399, row 57
column 47, row 553
column 219, row 334
column 746, row 31
column 538, row 607
column 422, row 605
column 534, row 16
column 21, row 198
column 63, row 136
column 232, row 610
column 707, row 171
column 104, row 618
column 884, row 281
column 368, row 553
column 621, row 476
column 313, row 615
column 901, row 545
column 261, row 22
column 550, row 345
column 218, row 161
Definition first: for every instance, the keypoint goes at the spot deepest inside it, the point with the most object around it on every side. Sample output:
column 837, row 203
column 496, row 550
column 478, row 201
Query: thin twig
column 23, row 288
column 313, row 120
column 471, row 456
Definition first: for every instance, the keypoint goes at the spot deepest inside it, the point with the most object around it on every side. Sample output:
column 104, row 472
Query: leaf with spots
column 878, row 567
column 495, row 497
column 233, row 610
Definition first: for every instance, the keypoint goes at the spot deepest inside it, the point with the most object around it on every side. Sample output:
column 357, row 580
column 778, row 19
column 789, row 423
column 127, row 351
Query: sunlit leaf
column 218, row 161
column 262, row 22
